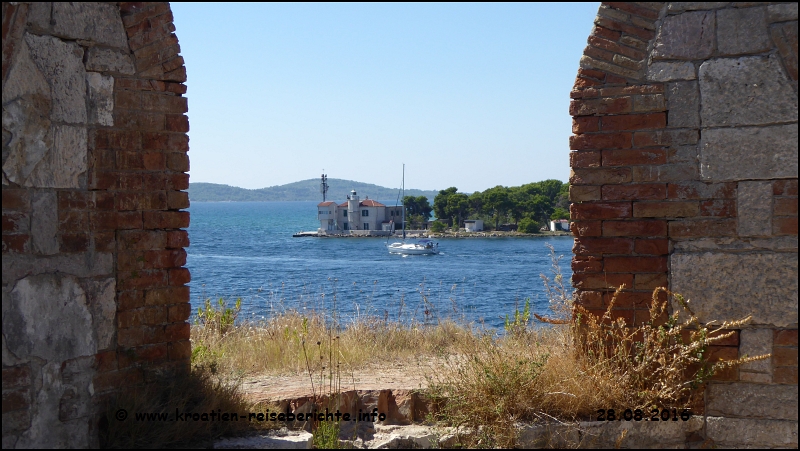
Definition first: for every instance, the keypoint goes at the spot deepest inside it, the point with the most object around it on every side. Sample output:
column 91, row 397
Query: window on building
column 364, row 212
column 344, row 225
column 344, row 212
column 366, row 226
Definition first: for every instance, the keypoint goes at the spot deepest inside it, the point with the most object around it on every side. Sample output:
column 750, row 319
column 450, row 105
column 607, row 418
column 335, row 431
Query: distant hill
column 302, row 190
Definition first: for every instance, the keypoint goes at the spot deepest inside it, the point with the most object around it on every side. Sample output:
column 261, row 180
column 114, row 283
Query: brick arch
column 94, row 177
column 684, row 174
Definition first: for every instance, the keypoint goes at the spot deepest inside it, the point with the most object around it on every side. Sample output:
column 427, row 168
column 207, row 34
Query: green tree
column 528, row 225
column 559, row 213
column 440, row 202
column 498, row 202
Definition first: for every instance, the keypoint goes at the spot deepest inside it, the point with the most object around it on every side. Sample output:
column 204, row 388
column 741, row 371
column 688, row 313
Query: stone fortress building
column 684, row 174
column 357, row 214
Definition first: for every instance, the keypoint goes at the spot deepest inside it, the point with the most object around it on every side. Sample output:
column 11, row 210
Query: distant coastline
column 305, row 190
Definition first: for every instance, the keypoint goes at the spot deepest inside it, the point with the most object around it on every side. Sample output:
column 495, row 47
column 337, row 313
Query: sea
column 246, row 250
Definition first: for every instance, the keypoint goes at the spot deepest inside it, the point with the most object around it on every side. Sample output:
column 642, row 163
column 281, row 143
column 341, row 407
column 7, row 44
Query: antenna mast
column 324, row 186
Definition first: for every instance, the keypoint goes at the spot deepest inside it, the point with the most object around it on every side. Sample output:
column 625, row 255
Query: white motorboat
column 418, row 247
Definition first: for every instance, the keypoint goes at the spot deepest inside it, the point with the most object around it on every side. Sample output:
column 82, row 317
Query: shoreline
column 423, row 234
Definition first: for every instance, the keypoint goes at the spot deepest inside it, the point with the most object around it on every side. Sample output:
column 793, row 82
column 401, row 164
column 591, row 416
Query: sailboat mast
column 402, row 201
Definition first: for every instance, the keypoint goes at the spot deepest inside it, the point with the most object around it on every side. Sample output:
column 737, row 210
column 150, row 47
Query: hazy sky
column 466, row 95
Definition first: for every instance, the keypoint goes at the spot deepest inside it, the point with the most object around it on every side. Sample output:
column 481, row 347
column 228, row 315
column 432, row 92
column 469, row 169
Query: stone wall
column 684, row 174
column 94, row 164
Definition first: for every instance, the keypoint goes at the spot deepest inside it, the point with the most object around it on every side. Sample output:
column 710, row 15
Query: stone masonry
column 684, row 175
column 94, row 179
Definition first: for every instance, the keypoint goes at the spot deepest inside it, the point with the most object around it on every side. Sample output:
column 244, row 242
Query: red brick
column 18, row 399
column 601, row 281
column 154, row 181
column 73, row 221
column 584, row 159
column 152, row 353
column 16, row 243
column 612, row 79
column 586, row 228
column 147, row 316
column 154, row 161
column 582, row 88
column 117, row 140
column 102, row 180
column 129, row 181
column 784, row 356
column 635, row 264
column 664, row 138
column 166, row 296
column 785, row 375
column 130, row 300
column 718, row 208
column 606, row 33
column 138, row 120
column 592, row 73
column 634, row 121
column 115, row 220
column 634, row 228
column 135, row 12
column 16, row 376
column 129, row 261
column 166, row 219
column 600, row 210
column 143, row 239
column 654, row 191
column 177, row 182
column 634, row 157
column 618, row 105
column 600, row 141
column 172, row 64
column 105, row 241
column 628, row 300
column 178, row 75
column 179, row 312
column 641, row 33
column 594, row 246
column 180, row 350
column 176, row 88
column 587, row 264
column 656, row 88
column 613, row 47
column 14, row 222
column 177, row 238
column 141, row 279
column 585, row 124
column 177, row 200
column 634, row 9
column 599, row 54
column 650, row 281
column 130, row 337
column 701, row 190
column 784, row 226
column 126, row 201
column 651, row 247
column 16, row 199
column 172, row 258
column 589, row 299
column 702, row 228
column 74, row 243
column 625, row 315
column 786, row 337
column 106, row 361
column 165, row 141
column 665, row 209
column 164, row 103
column 179, row 276
column 785, row 206
column 129, row 161
column 604, row 176
column 177, row 123
column 779, row 187
column 177, row 332
column 724, row 353
column 178, row 161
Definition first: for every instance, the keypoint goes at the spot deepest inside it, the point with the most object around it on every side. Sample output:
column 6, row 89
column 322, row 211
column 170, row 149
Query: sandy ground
column 391, row 375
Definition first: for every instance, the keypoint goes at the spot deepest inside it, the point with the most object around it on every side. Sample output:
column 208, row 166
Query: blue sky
column 466, row 95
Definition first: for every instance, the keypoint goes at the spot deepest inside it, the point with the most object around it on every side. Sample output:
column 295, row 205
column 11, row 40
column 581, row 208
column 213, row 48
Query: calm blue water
column 246, row 249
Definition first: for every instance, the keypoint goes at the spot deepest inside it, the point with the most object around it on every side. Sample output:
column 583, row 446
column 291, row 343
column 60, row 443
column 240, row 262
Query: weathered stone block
column 749, row 153
column 47, row 317
column 96, row 22
column 101, row 264
column 65, row 165
column 782, row 12
column 670, row 71
column 107, row 60
column 101, row 297
column 742, row 30
column 754, row 205
column 62, row 66
column 686, row 36
column 784, row 35
column 753, row 342
column 744, row 432
column 101, row 98
column 777, row 402
column 44, row 222
column 683, row 104
column 725, row 286
column 751, row 90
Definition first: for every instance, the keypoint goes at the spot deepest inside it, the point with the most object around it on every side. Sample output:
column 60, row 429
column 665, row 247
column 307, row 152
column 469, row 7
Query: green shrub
column 437, row 227
column 528, row 225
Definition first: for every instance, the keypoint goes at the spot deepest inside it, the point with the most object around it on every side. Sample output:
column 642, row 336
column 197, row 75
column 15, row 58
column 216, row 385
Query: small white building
column 559, row 225
column 357, row 214
column 473, row 225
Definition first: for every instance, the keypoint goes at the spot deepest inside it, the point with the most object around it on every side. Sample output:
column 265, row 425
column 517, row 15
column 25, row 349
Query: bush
column 528, row 225
column 437, row 227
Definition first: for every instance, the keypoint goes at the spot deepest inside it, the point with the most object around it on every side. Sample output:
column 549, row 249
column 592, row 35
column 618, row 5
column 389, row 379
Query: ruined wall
column 94, row 164
column 684, row 174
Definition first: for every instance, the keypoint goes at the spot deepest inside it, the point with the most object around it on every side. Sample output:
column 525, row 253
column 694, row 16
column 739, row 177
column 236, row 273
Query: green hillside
column 302, row 190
